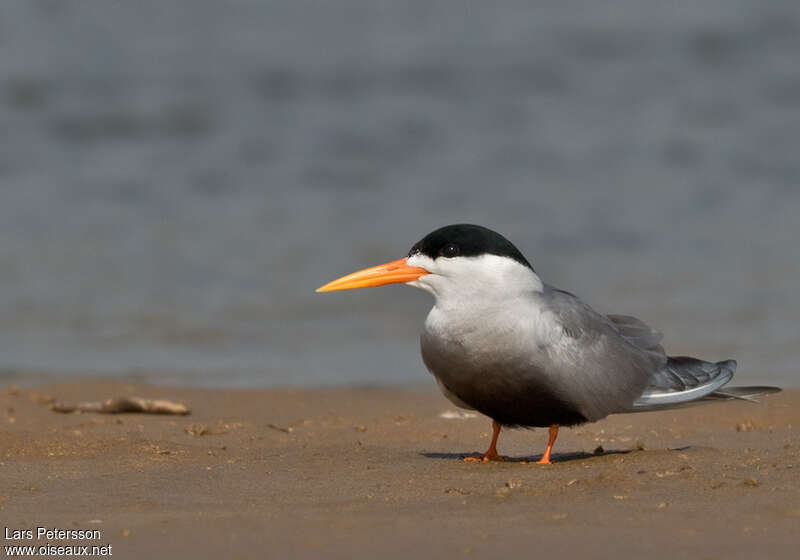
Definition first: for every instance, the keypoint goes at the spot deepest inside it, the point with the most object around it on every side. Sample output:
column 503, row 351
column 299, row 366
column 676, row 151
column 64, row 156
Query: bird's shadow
column 555, row 457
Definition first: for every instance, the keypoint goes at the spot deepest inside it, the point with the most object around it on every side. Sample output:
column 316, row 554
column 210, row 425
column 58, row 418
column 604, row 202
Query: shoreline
column 368, row 471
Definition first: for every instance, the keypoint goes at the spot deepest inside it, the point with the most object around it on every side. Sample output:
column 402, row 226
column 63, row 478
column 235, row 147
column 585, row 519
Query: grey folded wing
column 640, row 334
column 684, row 380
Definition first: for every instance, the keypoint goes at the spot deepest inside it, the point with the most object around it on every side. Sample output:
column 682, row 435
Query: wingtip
column 728, row 364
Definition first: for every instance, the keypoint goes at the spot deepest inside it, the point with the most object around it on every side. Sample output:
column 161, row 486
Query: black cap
column 467, row 240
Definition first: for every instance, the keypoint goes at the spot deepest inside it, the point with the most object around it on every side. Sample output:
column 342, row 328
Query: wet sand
column 377, row 473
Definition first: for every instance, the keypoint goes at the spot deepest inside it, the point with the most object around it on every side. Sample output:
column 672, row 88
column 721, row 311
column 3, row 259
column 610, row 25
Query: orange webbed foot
column 491, row 453
column 545, row 460
column 485, row 458
column 541, row 461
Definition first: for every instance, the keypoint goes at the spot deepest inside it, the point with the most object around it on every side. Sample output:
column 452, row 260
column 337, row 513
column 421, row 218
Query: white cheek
column 463, row 280
column 421, row 261
column 427, row 283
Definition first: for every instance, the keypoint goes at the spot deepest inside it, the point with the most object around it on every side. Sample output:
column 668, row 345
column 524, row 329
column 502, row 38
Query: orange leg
column 491, row 453
column 545, row 460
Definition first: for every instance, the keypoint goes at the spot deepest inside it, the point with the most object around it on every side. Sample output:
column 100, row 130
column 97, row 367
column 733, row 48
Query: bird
column 501, row 341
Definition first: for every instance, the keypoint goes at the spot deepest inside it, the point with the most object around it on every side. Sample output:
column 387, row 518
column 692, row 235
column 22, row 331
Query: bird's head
column 454, row 262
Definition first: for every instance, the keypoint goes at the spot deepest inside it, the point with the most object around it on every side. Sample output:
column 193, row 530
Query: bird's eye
column 449, row 251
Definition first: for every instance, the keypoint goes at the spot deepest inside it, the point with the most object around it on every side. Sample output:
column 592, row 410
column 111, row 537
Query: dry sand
column 377, row 473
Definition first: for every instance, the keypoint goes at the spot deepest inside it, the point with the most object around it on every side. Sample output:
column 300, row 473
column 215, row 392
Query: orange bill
column 390, row 273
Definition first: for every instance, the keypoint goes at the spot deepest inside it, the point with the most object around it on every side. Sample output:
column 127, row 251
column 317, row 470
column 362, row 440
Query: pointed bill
column 390, row 273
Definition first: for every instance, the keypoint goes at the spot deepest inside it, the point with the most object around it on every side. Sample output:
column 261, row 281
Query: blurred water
column 176, row 178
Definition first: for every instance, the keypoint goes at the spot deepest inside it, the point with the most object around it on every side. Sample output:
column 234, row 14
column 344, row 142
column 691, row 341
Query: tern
column 501, row 341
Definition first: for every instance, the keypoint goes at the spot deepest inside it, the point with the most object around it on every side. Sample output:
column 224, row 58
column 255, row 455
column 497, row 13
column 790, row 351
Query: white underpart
column 487, row 303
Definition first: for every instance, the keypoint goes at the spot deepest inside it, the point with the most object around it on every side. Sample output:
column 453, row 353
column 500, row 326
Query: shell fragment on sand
column 124, row 404
column 457, row 415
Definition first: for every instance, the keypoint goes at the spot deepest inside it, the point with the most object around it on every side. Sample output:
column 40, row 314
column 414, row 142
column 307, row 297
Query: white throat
column 474, row 282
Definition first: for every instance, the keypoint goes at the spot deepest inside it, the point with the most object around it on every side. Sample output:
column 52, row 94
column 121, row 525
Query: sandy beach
column 377, row 472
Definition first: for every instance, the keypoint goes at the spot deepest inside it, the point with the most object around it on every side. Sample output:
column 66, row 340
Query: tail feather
column 685, row 381
column 742, row 393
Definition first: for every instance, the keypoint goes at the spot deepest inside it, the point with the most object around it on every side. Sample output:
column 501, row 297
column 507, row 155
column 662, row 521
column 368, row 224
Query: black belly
column 522, row 404
column 508, row 389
